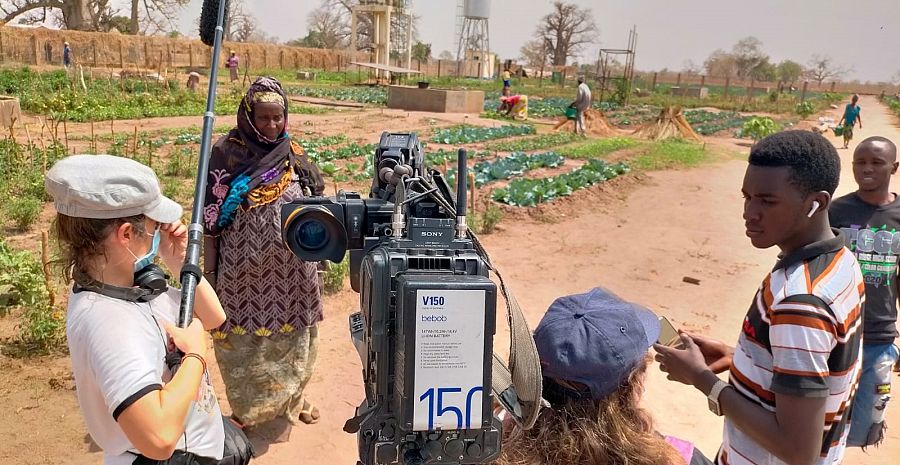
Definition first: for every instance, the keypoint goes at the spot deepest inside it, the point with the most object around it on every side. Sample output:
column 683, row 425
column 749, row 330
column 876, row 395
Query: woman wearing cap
column 267, row 348
column 594, row 356
column 112, row 222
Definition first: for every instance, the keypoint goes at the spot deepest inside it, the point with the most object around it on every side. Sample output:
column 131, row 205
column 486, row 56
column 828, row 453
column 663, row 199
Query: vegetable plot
column 465, row 134
column 435, row 159
column 547, row 107
column 525, row 192
column 373, row 95
column 543, row 141
column 509, row 167
column 707, row 123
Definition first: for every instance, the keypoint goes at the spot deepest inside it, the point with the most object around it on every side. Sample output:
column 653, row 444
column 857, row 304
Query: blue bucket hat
column 596, row 339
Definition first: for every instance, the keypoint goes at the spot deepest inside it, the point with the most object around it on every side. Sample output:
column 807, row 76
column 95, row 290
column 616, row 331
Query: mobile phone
column 668, row 335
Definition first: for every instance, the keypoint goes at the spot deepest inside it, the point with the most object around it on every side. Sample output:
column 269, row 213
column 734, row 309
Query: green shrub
column 182, row 163
column 486, row 222
column 43, row 329
column 24, row 211
column 598, row 148
column 759, row 127
column 22, row 285
column 21, row 278
column 805, row 109
column 335, row 273
column 671, row 153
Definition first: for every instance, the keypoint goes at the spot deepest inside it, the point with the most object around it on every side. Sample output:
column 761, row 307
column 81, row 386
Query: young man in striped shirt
column 794, row 372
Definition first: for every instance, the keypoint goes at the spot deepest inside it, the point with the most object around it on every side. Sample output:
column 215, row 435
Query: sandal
column 309, row 414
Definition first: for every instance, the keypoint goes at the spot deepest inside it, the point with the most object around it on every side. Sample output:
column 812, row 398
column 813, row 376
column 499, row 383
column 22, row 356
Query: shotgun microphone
column 209, row 16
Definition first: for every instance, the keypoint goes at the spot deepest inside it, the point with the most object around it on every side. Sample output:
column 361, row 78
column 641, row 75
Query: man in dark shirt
column 870, row 220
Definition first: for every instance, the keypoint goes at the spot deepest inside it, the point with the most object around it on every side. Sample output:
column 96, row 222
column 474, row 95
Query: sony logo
column 432, row 234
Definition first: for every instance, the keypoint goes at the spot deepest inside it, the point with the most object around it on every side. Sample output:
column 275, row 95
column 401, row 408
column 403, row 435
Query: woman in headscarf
column 515, row 106
column 267, row 347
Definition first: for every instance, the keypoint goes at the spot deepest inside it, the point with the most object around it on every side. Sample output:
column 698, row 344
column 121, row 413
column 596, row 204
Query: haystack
column 595, row 123
column 669, row 124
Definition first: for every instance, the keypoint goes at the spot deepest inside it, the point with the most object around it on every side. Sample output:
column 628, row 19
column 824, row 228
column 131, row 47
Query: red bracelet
column 197, row 356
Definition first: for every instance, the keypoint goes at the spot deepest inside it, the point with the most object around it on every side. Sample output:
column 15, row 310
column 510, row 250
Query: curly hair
column 814, row 162
column 611, row 431
column 81, row 239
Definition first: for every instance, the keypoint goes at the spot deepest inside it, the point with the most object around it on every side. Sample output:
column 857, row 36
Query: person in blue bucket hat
column 594, row 352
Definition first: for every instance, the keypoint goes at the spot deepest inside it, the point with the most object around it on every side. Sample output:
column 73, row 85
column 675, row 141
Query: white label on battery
column 449, row 370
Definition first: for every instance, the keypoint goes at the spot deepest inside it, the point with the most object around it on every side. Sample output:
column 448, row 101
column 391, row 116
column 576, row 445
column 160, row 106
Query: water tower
column 382, row 12
column 475, row 37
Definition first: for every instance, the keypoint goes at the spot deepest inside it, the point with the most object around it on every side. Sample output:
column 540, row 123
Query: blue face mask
column 147, row 259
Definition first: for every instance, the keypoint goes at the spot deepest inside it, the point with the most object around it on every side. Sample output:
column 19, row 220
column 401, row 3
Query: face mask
column 147, row 259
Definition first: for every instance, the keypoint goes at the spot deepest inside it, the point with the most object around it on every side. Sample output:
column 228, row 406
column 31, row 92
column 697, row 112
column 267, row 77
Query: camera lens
column 312, row 235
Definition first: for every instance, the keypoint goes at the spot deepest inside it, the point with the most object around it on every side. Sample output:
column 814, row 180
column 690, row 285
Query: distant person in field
column 850, row 118
column 506, row 84
column 193, row 81
column 267, row 347
column 794, row 371
column 232, row 65
column 870, row 220
column 515, row 106
column 594, row 352
column 582, row 103
column 67, row 55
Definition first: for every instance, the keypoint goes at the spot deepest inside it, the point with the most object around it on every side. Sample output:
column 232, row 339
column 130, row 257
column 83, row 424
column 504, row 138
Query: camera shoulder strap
column 519, row 384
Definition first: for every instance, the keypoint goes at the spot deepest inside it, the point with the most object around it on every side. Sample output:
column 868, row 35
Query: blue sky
column 862, row 34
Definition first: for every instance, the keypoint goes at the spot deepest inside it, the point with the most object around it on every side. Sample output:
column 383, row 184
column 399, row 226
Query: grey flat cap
column 107, row 187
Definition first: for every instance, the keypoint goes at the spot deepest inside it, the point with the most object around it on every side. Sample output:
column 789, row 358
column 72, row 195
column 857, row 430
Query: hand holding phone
column 668, row 335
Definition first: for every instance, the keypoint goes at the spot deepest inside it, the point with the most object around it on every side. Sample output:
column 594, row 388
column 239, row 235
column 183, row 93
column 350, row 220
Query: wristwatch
column 713, row 397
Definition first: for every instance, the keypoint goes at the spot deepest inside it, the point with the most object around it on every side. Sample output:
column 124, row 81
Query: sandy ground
column 639, row 241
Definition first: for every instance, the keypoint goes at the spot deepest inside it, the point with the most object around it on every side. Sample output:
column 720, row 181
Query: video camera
column 427, row 308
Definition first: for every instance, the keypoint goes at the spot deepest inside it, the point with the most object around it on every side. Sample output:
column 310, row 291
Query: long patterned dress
column 267, row 347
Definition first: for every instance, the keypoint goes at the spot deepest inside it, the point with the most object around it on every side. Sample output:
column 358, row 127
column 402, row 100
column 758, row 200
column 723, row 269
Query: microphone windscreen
column 209, row 17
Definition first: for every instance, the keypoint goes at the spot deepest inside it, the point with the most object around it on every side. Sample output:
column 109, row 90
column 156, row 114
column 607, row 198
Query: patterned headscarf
column 236, row 174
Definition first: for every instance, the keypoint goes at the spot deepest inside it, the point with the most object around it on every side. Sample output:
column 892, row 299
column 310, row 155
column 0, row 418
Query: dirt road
column 639, row 242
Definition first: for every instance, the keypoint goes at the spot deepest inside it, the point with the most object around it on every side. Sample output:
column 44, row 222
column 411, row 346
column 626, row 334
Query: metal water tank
column 477, row 9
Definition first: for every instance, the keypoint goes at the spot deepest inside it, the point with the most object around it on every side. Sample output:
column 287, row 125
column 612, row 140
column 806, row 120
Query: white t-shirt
column 118, row 353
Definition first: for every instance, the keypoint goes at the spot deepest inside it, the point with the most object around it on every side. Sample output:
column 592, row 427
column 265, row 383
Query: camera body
column 427, row 315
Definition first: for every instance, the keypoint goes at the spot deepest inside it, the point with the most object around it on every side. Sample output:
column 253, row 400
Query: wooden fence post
column 439, row 68
column 702, row 80
column 678, row 81
column 727, row 85
column 832, row 86
column 803, row 92
column 121, row 55
column 147, row 63
column 46, row 263
column 653, row 86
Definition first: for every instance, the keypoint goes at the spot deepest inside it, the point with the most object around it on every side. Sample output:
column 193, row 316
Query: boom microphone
column 211, row 31
column 209, row 16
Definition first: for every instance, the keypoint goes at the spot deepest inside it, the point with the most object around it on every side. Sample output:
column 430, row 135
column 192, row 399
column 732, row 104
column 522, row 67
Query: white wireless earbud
column 812, row 211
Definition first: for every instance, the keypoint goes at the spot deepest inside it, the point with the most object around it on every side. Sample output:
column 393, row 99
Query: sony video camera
column 427, row 315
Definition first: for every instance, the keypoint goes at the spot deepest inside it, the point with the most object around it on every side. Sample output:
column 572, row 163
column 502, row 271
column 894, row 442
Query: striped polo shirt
column 801, row 337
